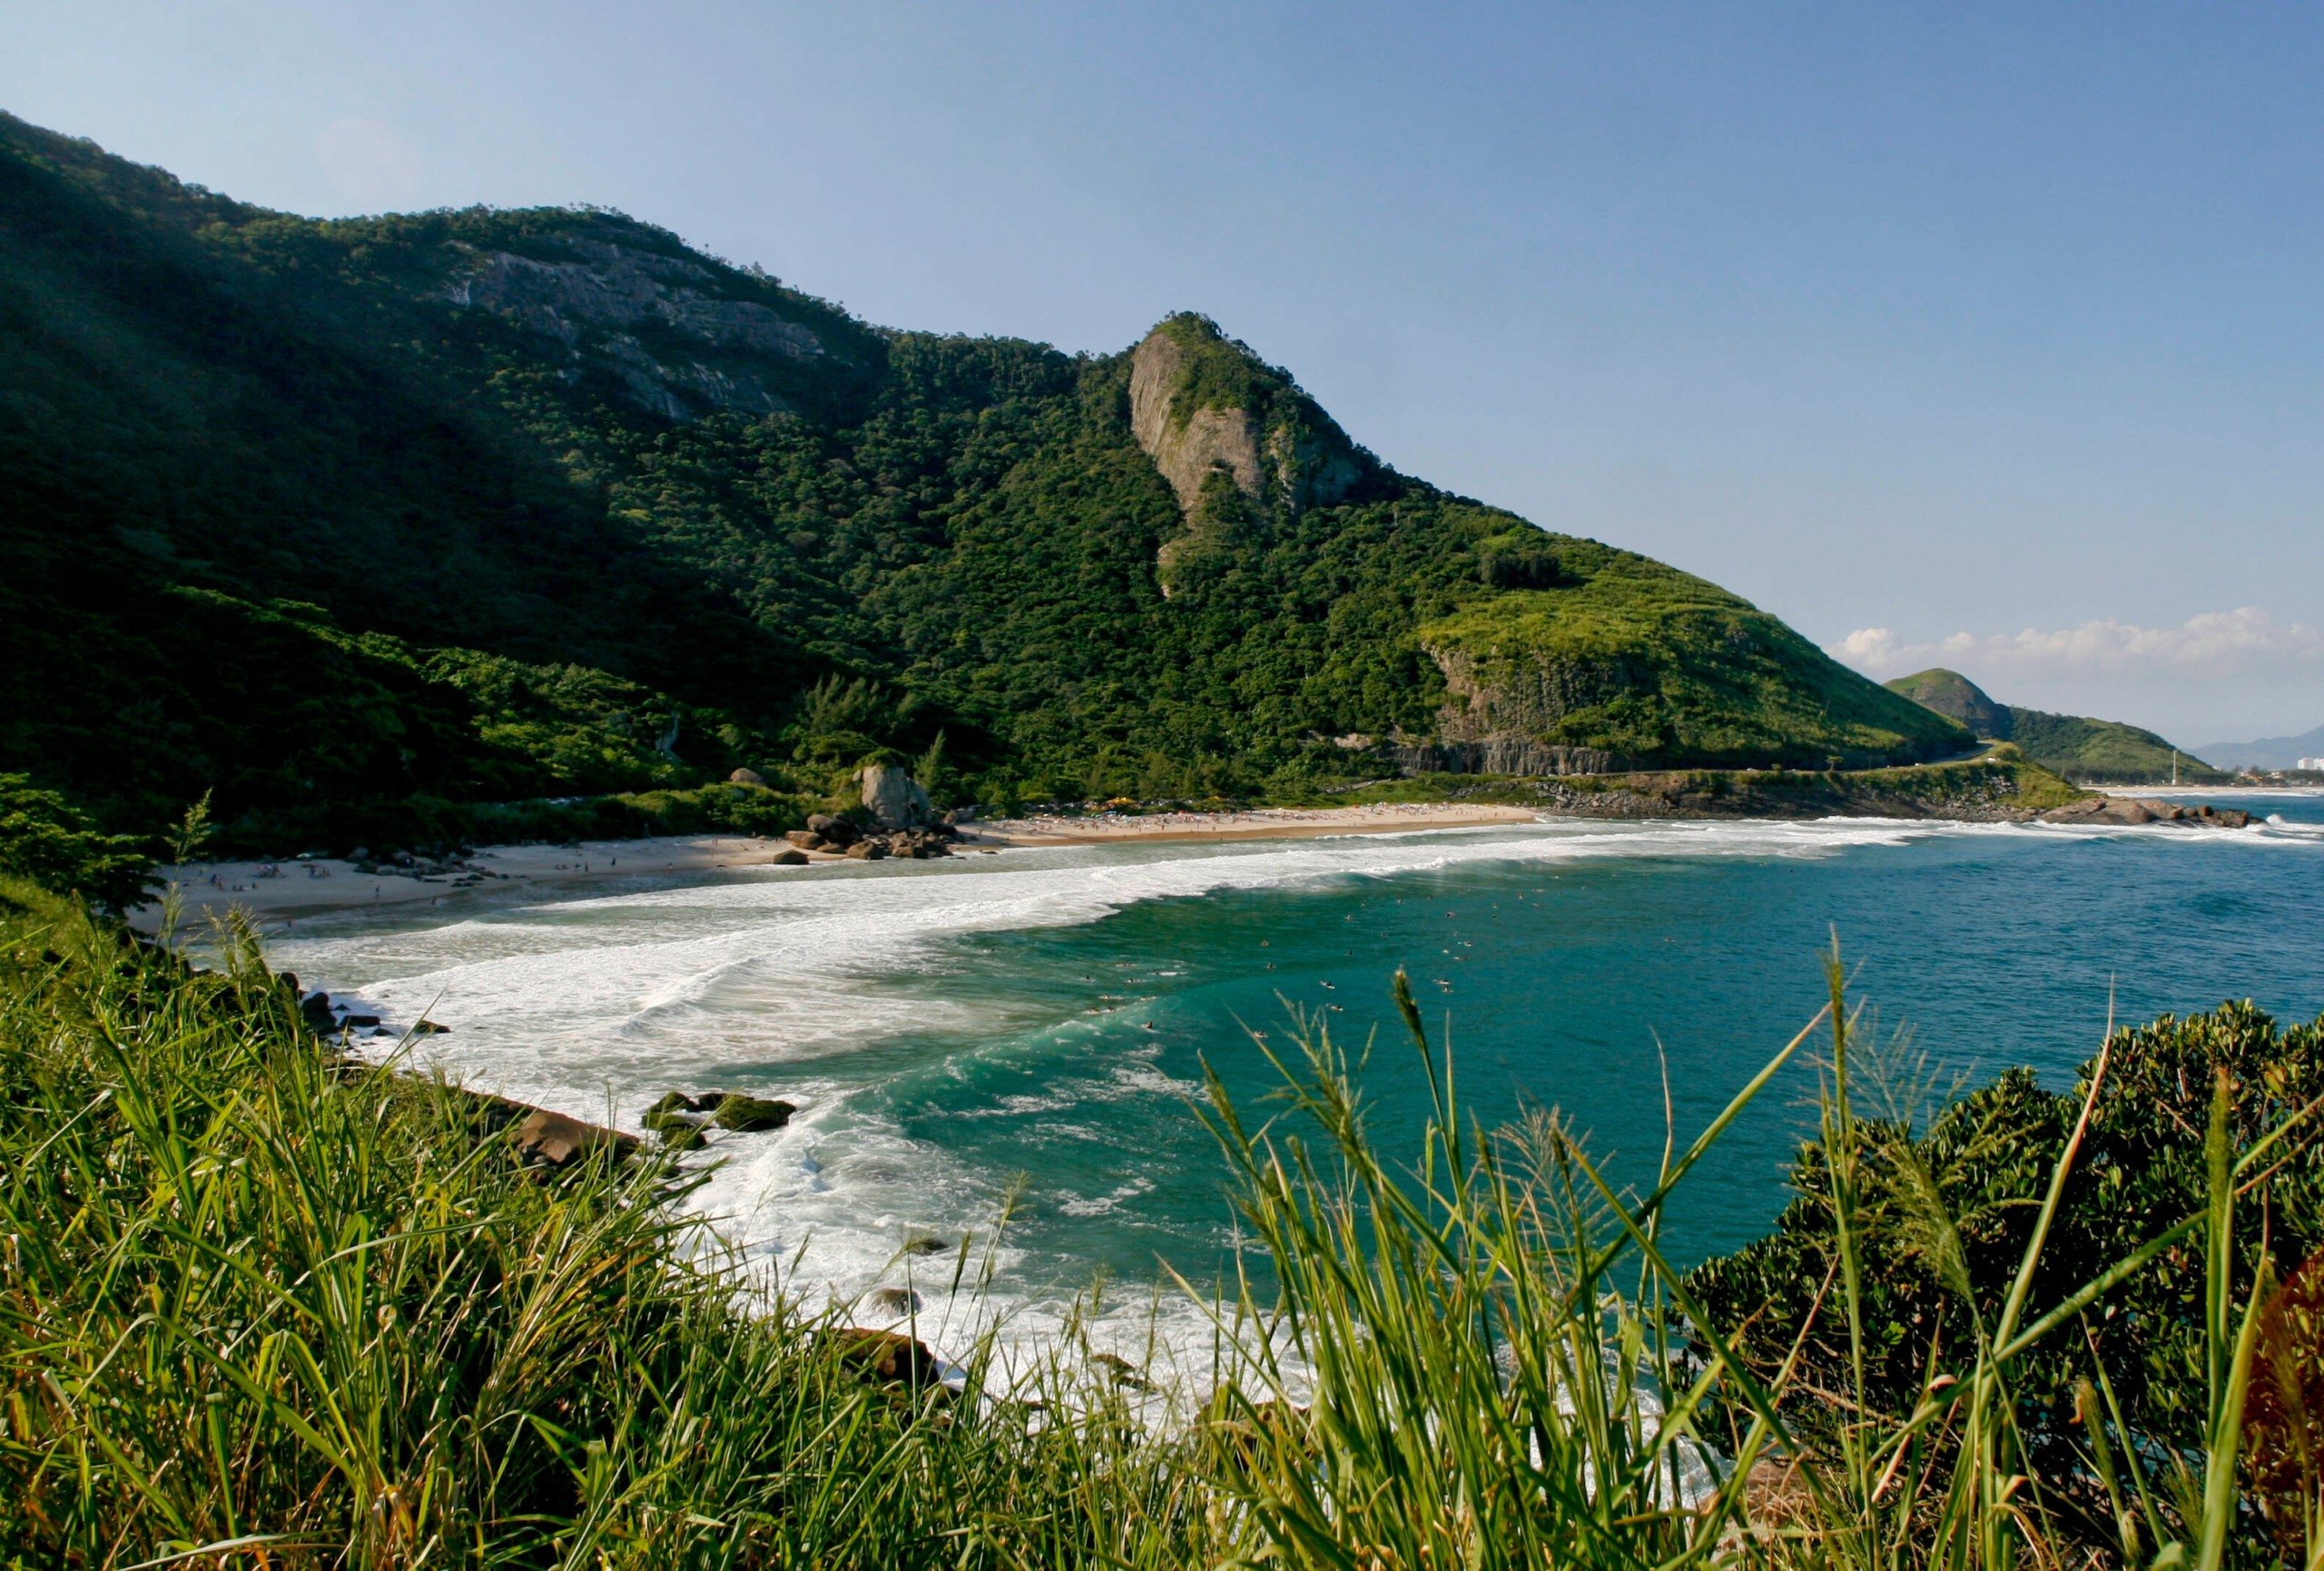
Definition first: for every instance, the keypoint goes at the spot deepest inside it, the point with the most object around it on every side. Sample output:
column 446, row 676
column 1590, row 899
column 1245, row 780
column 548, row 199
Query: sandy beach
column 1255, row 824
column 296, row 888
column 276, row 893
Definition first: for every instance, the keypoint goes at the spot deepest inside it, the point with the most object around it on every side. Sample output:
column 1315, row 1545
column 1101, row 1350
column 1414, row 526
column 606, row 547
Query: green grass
column 2105, row 751
column 257, row 1309
column 1656, row 666
column 2102, row 751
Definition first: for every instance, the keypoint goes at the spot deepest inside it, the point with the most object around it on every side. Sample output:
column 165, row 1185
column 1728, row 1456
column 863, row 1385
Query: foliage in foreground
column 1943, row 1215
column 256, row 1310
column 304, row 1318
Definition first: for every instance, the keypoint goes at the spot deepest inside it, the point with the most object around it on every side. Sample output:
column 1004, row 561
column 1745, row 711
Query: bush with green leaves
column 45, row 839
column 1944, row 1209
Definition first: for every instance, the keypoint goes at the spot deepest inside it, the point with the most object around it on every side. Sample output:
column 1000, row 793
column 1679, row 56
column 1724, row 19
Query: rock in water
column 751, row 1114
column 892, row 1301
column 894, row 798
column 867, row 850
column 679, row 1131
column 790, row 859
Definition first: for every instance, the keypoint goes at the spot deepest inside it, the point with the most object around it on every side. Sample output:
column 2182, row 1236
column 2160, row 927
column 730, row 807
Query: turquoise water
column 949, row 1027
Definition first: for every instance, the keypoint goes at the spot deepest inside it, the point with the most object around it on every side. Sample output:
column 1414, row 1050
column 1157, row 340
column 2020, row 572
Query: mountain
column 2268, row 751
column 1954, row 695
column 2073, row 745
column 345, row 520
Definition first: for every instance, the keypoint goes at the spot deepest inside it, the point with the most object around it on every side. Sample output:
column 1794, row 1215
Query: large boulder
column 867, row 850
column 748, row 1115
column 746, row 777
column 805, row 839
column 836, row 831
column 894, row 798
column 790, row 857
column 889, row 1357
column 554, row 1140
column 679, row 1131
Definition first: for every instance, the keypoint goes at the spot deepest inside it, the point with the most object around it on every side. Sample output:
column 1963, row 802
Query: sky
column 1982, row 336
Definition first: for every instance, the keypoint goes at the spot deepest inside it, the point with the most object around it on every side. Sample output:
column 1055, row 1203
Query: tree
column 44, row 839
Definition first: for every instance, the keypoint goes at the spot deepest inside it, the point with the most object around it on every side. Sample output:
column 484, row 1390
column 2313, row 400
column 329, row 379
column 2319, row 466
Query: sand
column 309, row 887
column 326, row 884
column 1255, row 824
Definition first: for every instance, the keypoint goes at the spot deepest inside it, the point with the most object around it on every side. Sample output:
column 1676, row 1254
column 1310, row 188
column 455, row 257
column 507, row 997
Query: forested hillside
column 2102, row 751
column 342, row 521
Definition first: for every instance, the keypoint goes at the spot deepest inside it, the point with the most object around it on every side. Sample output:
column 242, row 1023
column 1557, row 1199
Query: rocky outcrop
column 663, row 327
column 894, row 799
column 1187, row 446
column 1495, row 712
column 1509, row 755
column 2131, row 811
column 1507, row 697
column 555, row 1140
column 884, row 1358
column 830, row 830
column 1201, row 405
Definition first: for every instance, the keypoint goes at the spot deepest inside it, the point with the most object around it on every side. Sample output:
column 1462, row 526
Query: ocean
column 1033, row 1028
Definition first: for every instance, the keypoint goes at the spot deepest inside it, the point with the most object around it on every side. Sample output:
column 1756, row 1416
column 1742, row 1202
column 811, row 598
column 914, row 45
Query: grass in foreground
column 258, row 1312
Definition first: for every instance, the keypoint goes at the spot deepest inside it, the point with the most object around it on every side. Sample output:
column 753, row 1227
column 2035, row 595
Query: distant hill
column 1951, row 695
column 2268, row 751
column 336, row 517
column 2104, row 751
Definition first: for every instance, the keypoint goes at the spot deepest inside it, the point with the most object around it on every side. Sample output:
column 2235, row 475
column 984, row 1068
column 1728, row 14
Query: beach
column 274, row 893
column 1250, row 824
column 314, row 885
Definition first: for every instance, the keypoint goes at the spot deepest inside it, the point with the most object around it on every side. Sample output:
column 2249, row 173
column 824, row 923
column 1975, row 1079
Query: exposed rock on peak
column 668, row 329
column 1203, row 404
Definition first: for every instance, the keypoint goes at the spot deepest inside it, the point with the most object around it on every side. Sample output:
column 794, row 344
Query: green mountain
column 2103, row 751
column 346, row 520
column 1955, row 696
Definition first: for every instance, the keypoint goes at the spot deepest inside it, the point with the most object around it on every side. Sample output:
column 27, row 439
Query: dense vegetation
column 348, row 523
column 1943, row 1215
column 260, row 1308
column 1654, row 664
column 2102, row 751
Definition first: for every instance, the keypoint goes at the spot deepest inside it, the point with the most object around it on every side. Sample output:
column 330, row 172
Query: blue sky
column 1988, row 336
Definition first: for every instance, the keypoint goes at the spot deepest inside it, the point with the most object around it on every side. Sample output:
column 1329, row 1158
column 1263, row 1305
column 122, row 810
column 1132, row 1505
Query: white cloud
column 2215, row 644
column 371, row 163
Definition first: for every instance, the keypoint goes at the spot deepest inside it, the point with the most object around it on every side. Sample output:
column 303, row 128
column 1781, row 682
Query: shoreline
column 324, row 885
column 1247, row 824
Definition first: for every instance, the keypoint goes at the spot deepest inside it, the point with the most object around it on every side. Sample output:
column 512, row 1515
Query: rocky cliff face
column 1512, row 698
column 1187, row 445
column 663, row 328
column 1201, row 404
